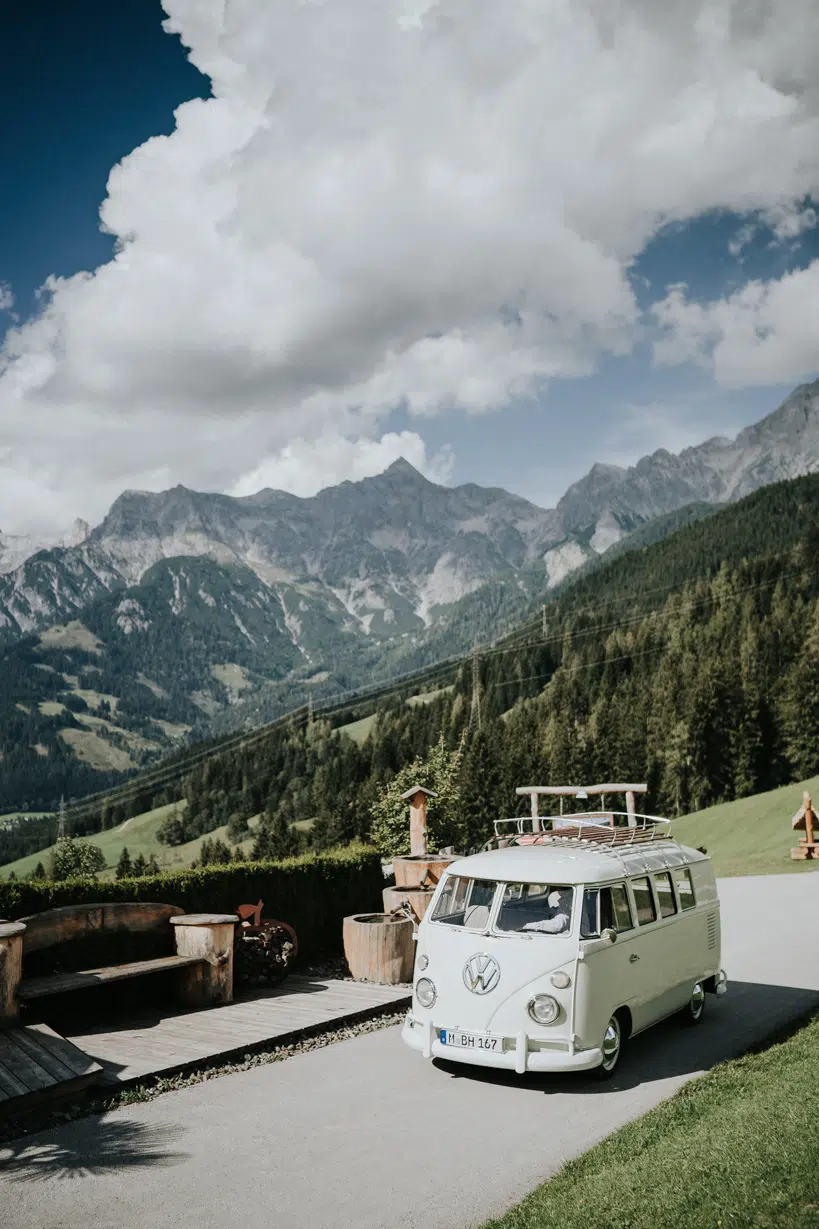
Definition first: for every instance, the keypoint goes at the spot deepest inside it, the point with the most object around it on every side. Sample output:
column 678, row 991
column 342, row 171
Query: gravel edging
column 102, row 1101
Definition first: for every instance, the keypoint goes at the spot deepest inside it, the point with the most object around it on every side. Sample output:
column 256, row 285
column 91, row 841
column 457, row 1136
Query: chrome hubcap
column 697, row 1000
column 611, row 1044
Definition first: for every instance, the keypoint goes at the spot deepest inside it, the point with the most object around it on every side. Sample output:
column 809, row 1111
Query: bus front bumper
column 520, row 1053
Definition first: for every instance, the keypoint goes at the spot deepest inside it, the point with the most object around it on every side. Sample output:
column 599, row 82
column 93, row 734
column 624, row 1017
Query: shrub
column 73, row 859
column 313, row 892
column 438, row 772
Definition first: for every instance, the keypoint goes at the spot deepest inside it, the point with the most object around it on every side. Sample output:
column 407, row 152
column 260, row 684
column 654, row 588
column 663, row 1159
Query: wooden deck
column 170, row 1040
column 36, row 1064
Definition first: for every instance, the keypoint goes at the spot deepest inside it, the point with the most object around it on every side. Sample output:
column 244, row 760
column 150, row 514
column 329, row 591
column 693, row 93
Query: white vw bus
column 550, row 948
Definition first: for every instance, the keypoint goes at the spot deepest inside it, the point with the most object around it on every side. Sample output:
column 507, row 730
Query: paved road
column 365, row 1134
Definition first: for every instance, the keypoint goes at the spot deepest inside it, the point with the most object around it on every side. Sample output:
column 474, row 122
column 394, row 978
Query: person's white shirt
column 556, row 923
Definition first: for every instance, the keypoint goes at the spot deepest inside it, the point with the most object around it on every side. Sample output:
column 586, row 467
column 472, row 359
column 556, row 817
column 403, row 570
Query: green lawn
column 358, row 731
column 752, row 836
column 736, row 1147
column 139, row 835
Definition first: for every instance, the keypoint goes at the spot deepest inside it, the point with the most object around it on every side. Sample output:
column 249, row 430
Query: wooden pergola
column 805, row 821
column 582, row 792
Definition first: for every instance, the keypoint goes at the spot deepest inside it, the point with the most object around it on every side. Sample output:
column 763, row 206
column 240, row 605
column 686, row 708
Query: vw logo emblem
column 481, row 973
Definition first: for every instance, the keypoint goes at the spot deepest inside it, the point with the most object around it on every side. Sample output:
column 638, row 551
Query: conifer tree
column 124, row 868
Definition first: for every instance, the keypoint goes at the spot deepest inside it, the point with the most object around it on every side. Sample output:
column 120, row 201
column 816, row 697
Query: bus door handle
column 633, row 958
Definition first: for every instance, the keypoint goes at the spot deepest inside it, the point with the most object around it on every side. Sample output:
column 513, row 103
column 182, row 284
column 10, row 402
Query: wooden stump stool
column 209, row 936
column 11, row 970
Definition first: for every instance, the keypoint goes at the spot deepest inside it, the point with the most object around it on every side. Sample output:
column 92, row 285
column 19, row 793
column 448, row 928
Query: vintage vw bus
column 562, row 939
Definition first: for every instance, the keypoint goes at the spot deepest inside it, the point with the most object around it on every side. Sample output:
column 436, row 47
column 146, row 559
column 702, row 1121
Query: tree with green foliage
column 276, row 838
column 75, row 859
column 39, row 871
column 139, row 866
column 237, row 827
column 214, row 852
column 124, row 868
column 439, row 772
column 153, row 866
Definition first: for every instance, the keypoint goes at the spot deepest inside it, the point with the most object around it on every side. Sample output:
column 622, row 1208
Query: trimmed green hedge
column 313, row 892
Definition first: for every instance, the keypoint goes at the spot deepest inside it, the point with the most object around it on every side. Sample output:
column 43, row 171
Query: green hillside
column 691, row 664
column 139, row 836
column 752, row 836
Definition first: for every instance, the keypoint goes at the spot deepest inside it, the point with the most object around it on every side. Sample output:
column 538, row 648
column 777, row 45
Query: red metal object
column 246, row 912
column 250, row 917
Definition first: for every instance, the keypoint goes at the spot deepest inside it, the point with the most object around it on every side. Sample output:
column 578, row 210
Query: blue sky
column 289, row 307
column 86, row 83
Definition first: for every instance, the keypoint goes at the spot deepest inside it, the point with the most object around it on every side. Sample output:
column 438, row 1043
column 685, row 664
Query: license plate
column 469, row 1041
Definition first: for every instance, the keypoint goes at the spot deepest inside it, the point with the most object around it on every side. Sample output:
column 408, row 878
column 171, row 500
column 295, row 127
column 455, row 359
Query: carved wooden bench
column 203, row 955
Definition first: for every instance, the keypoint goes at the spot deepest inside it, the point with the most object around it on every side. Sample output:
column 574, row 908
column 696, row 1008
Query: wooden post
column 417, row 798
column 631, row 809
column 809, row 818
column 535, row 814
column 11, row 970
column 210, row 936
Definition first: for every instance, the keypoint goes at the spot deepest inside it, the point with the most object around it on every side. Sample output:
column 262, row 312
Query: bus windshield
column 465, row 902
column 535, row 908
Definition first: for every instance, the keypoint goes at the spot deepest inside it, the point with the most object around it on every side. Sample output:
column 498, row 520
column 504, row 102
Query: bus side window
column 685, row 888
column 621, row 911
column 665, row 894
column 644, row 901
column 605, row 909
column 588, row 920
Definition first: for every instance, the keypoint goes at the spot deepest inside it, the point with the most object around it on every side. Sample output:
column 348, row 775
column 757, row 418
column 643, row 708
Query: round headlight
column 560, row 981
column 425, row 992
column 544, row 1009
column 423, row 961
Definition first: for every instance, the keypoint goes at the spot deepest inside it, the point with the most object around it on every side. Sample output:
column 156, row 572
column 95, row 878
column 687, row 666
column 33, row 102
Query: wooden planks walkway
column 170, row 1040
column 36, row 1064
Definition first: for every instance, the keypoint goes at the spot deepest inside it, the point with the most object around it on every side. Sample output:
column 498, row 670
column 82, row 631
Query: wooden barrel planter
column 379, row 948
column 421, row 869
column 418, row 899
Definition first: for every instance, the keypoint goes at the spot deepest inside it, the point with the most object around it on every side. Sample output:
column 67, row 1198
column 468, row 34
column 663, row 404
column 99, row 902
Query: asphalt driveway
column 366, row 1133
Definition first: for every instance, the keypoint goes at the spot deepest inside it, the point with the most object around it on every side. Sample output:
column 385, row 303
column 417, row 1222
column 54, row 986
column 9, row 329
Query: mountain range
column 198, row 611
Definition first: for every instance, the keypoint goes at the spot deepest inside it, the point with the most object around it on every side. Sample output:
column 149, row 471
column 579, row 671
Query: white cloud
column 764, row 333
column 390, row 202
column 790, row 220
column 6, row 297
column 306, row 466
column 786, row 221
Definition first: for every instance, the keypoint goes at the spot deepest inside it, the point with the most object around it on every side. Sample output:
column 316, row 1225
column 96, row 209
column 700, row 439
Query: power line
column 173, row 773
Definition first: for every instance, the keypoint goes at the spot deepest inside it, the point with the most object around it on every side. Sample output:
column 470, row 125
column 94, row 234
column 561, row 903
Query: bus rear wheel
column 694, row 1010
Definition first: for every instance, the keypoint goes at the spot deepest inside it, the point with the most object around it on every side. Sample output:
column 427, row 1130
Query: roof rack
column 599, row 828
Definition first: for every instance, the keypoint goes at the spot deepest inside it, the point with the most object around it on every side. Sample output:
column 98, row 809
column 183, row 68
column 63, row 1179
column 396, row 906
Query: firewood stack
column 262, row 954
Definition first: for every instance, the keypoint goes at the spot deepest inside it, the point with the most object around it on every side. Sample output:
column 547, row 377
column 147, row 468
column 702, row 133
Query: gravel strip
column 101, row 1102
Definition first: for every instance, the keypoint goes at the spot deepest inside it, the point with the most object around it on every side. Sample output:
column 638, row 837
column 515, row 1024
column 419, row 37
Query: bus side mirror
column 609, row 935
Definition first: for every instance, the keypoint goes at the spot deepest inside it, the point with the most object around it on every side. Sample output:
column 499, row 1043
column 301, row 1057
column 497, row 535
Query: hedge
column 312, row 892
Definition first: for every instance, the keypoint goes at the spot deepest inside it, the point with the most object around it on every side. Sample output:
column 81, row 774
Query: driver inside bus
column 557, row 914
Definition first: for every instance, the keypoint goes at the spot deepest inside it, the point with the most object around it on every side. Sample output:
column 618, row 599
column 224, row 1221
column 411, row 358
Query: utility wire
column 445, row 667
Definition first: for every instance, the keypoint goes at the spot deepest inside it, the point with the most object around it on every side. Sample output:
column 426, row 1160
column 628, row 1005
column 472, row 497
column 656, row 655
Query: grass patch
column 95, row 751
column 139, row 836
column 428, row 696
column 358, row 731
column 752, row 836
column 733, row 1148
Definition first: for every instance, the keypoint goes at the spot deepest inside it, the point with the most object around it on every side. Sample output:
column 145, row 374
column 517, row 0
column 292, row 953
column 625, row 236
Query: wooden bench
column 203, row 956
